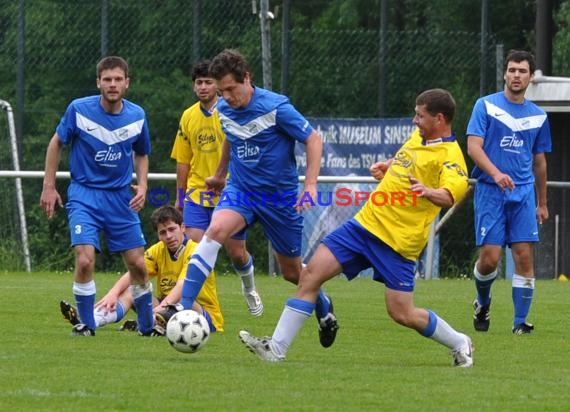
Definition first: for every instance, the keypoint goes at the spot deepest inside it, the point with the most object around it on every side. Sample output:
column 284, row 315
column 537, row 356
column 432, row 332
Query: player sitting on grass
column 166, row 261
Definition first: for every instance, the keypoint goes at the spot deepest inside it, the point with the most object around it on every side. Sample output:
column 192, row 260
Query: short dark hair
column 518, row 56
column 165, row 214
column 229, row 61
column 438, row 101
column 112, row 62
column 201, row 69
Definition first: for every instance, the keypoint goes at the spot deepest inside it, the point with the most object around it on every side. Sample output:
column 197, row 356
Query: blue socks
column 85, row 299
column 432, row 324
column 201, row 264
column 192, row 285
column 142, row 295
column 483, row 285
column 323, row 305
column 523, row 291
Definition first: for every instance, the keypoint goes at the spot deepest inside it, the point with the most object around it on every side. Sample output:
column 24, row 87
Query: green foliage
column 561, row 43
column 11, row 255
column 374, row 364
column 48, row 238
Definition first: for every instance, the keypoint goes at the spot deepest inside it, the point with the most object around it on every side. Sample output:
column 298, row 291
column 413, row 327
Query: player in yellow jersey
column 197, row 150
column 427, row 173
column 166, row 262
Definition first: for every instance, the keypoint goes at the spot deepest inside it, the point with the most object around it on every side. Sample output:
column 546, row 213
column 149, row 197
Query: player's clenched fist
column 378, row 169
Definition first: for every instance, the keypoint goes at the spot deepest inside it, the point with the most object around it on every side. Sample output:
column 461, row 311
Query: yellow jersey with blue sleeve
column 168, row 267
column 398, row 216
column 199, row 143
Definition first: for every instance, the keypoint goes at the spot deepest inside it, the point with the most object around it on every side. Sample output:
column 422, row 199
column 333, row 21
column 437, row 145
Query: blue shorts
column 92, row 211
column 505, row 217
column 357, row 249
column 199, row 217
column 282, row 224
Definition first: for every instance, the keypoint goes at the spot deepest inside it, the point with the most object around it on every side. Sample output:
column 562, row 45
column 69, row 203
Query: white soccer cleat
column 254, row 303
column 260, row 347
column 463, row 356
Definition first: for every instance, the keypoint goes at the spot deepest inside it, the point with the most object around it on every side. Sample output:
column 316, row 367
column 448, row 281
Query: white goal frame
column 4, row 105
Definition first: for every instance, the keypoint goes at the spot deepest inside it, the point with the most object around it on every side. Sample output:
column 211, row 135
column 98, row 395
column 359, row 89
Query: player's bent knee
column 401, row 314
column 291, row 276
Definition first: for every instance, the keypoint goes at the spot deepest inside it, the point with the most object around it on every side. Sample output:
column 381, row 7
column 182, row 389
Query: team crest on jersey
column 253, row 128
column 123, row 133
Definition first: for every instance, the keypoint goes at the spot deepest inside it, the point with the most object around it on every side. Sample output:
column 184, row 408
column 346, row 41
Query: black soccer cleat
column 523, row 328
column 129, row 325
column 162, row 317
column 82, row 330
column 69, row 312
column 328, row 326
column 481, row 316
column 156, row 331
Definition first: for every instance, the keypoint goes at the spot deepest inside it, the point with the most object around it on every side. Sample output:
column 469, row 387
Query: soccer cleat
column 162, row 317
column 328, row 326
column 463, row 356
column 523, row 328
column 82, row 330
column 260, row 347
column 129, row 325
column 69, row 312
column 481, row 316
column 156, row 331
column 254, row 303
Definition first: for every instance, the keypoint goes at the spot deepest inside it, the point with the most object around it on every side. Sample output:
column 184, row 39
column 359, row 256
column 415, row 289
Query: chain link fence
column 331, row 73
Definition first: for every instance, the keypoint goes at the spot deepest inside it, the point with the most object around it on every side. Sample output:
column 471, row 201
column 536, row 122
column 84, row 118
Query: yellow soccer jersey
column 400, row 218
column 160, row 264
column 199, row 143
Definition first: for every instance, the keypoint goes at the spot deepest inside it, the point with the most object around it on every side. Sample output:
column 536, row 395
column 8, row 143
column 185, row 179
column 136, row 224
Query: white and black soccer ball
column 187, row 331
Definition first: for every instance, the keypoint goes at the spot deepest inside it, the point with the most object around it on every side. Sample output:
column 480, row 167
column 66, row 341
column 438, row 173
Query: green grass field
column 375, row 365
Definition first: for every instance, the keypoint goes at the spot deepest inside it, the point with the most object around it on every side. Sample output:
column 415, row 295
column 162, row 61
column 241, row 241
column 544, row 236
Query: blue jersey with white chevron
column 102, row 143
column 262, row 137
column 513, row 133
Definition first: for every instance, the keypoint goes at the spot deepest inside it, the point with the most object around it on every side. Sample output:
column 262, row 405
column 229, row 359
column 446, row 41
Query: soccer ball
column 187, row 331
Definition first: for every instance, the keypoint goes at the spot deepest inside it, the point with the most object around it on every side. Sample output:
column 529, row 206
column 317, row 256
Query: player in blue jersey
column 261, row 129
column 108, row 138
column 197, row 150
column 508, row 137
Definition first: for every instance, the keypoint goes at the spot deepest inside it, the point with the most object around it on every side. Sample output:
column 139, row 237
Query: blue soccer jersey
column 512, row 134
column 102, row 144
column 262, row 138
